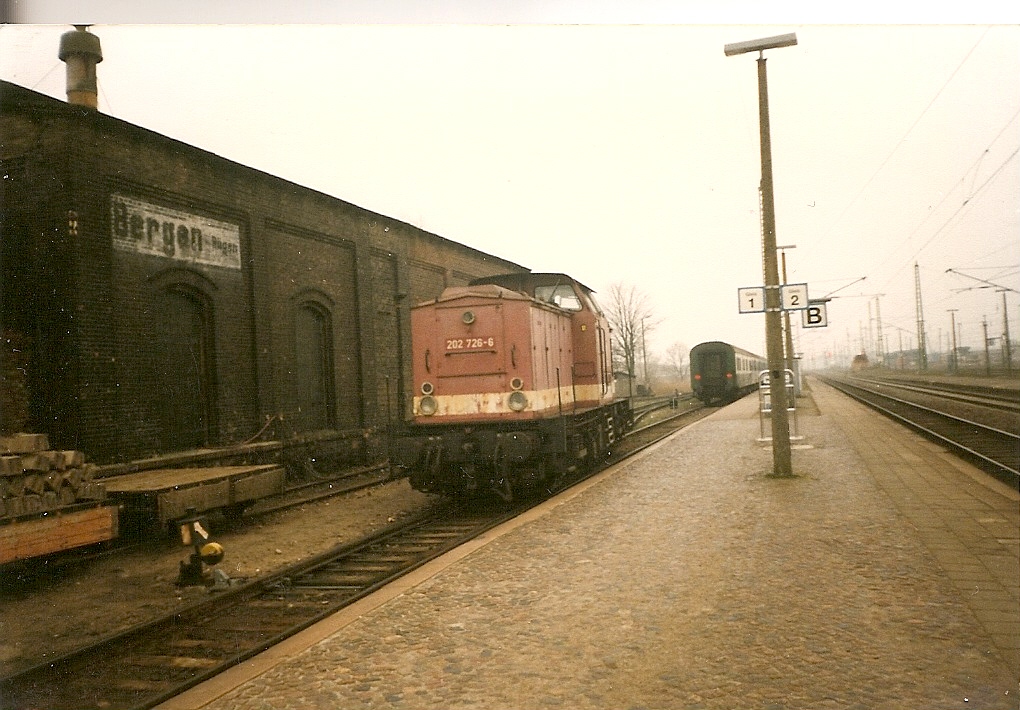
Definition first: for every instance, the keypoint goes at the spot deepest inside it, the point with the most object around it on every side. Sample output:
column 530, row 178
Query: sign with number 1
column 751, row 299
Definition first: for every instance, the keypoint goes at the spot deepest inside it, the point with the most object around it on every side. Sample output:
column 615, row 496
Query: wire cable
column 909, row 131
column 966, row 202
column 972, row 194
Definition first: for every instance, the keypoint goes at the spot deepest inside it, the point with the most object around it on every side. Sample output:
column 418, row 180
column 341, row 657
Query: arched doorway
column 314, row 367
column 185, row 370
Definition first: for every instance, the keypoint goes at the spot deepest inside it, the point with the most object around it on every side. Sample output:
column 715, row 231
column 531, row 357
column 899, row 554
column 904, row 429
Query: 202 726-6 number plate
column 470, row 343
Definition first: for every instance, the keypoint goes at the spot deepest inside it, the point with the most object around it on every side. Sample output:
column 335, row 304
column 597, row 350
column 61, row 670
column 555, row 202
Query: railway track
column 644, row 408
column 325, row 487
column 150, row 663
column 146, row 665
column 991, row 449
column 990, row 397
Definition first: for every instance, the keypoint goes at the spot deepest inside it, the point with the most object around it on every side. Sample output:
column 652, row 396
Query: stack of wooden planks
column 35, row 479
column 50, row 501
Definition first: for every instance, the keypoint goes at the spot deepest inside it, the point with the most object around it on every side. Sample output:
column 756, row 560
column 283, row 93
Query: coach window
column 314, row 366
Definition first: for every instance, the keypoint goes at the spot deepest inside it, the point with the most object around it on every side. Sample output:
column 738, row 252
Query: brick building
column 158, row 298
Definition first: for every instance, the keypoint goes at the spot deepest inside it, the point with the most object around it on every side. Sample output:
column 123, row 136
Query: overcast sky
column 619, row 152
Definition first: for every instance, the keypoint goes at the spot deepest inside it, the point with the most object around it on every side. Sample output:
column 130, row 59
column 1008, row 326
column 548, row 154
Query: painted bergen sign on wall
column 146, row 228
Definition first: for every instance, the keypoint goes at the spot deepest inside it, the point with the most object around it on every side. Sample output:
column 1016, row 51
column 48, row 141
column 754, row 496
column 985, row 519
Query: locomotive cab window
column 561, row 295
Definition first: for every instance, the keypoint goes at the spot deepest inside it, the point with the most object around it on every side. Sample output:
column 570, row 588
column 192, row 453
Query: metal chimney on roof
column 80, row 50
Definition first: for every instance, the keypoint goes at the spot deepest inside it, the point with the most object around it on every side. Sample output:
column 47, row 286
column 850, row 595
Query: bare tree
column 632, row 318
column 676, row 359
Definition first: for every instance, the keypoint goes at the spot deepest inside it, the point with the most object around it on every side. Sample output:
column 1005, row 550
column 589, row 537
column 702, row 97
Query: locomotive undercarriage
column 720, row 395
column 508, row 460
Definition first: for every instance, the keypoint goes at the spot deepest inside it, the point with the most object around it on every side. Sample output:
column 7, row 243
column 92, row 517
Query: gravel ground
column 73, row 605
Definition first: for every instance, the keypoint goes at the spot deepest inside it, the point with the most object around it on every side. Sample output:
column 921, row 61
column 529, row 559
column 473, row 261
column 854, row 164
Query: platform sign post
column 782, row 463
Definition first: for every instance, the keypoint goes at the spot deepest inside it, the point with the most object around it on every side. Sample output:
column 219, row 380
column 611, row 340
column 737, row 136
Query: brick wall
column 388, row 301
column 128, row 344
column 313, row 269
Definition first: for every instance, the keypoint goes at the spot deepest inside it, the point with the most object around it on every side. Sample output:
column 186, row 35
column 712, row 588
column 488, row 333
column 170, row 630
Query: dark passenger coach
column 721, row 373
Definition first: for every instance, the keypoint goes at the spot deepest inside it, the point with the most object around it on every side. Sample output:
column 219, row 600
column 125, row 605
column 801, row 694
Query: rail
column 1005, row 400
column 645, row 406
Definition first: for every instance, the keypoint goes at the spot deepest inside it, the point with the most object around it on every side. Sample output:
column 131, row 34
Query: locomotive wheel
column 557, row 470
column 504, row 489
column 501, row 484
column 593, row 443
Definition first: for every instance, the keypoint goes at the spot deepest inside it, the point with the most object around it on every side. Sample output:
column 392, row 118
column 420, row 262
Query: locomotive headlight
column 516, row 383
column 427, row 388
column 517, row 401
column 428, row 405
column 467, row 317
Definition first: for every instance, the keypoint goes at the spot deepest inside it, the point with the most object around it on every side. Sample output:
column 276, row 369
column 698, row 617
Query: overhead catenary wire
column 971, row 194
column 965, row 203
column 910, row 130
column 966, row 184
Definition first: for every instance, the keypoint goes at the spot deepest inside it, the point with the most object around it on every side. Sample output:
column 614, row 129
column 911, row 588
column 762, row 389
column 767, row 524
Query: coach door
column 712, row 365
column 185, row 370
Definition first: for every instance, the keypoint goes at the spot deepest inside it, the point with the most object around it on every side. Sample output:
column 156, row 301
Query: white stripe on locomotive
column 544, row 401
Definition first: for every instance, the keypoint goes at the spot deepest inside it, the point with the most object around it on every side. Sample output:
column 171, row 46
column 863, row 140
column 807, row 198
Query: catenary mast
column 922, row 352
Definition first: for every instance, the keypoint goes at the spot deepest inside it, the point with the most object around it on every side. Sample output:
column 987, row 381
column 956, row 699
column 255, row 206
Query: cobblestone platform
column 884, row 575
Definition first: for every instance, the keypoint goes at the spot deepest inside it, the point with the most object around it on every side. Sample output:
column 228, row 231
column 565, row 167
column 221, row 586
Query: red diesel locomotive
column 513, row 387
